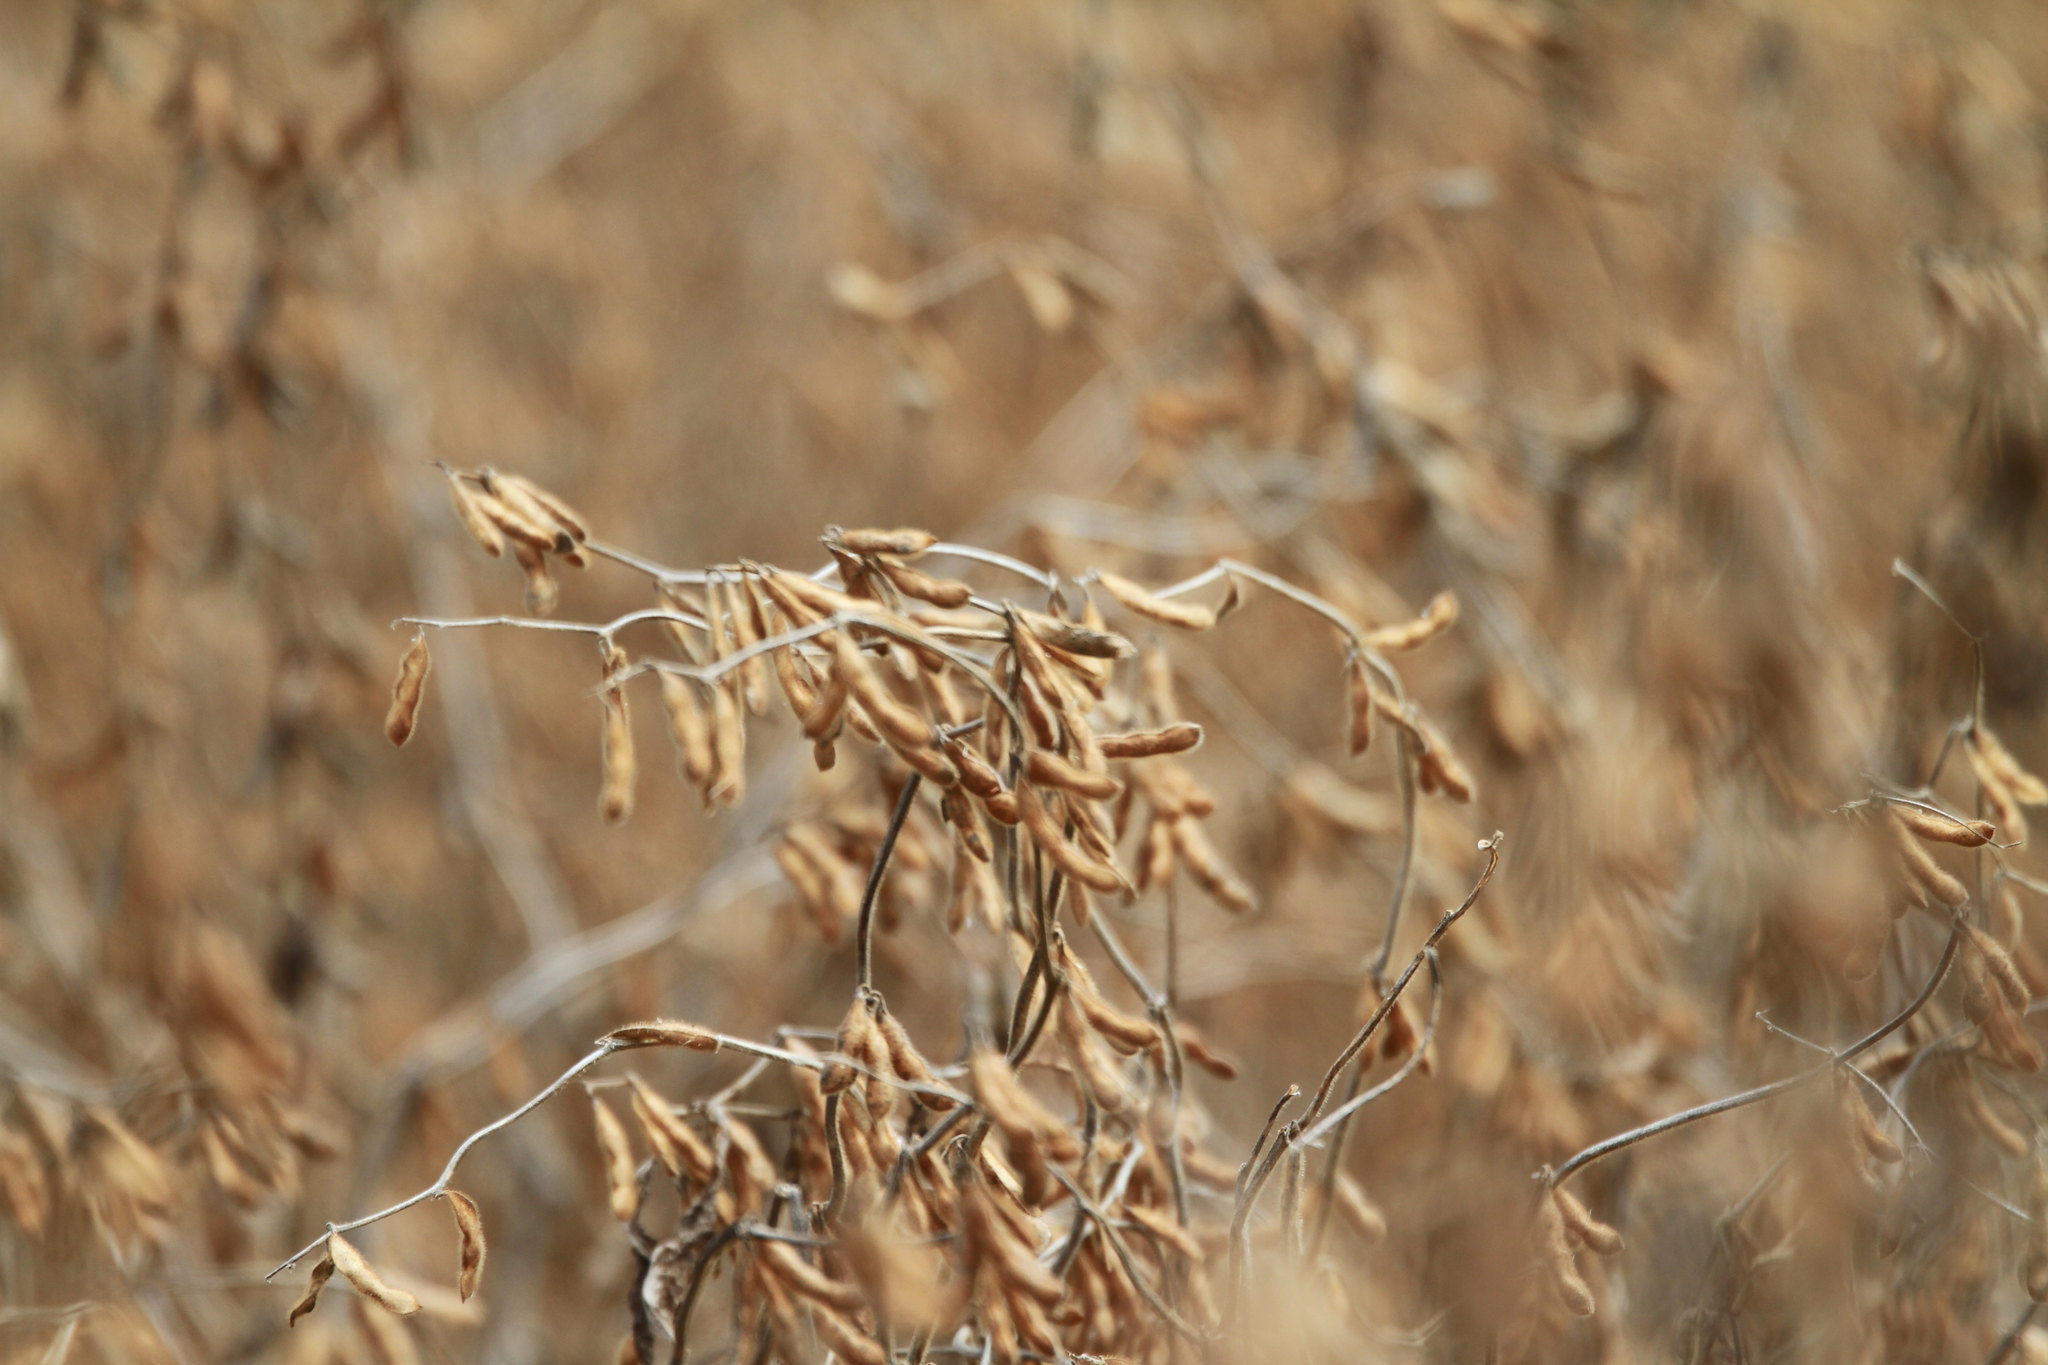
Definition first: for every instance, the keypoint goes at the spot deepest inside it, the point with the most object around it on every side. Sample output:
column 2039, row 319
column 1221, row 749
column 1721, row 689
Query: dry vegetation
column 1350, row 429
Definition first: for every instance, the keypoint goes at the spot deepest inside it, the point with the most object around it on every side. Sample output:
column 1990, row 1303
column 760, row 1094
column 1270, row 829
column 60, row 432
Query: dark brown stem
column 865, row 934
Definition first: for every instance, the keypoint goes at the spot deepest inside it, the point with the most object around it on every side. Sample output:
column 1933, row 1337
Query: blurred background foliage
column 1655, row 330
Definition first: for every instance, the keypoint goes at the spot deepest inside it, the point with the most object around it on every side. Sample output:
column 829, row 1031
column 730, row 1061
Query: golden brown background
column 1654, row 330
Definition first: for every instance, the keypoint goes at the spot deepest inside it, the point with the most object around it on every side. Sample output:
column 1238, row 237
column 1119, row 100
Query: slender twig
column 1854, row 1070
column 1337, row 1122
column 440, row 1186
column 864, row 937
column 2013, row 1333
column 1130, row 1263
column 1491, row 847
column 1609, row 1146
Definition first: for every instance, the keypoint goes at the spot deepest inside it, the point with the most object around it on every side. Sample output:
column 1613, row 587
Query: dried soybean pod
column 908, row 1062
column 1207, row 867
column 406, row 691
column 1921, row 869
column 1358, row 1210
column 618, row 1161
column 1050, row 769
column 688, row 727
column 1875, row 1141
column 367, row 1282
column 903, row 727
column 902, row 540
column 538, row 506
column 542, row 592
column 2025, row 786
column 676, row 1147
column 729, row 748
column 1581, row 1223
column 615, row 800
column 1557, row 1255
column 1156, row 857
column 470, row 1225
column 1943, row 828
column 469, row 510
column 663, row 1033
column 940, row 592
column 1440, row 615
column 1186, row 615
column 1363, row 705
column 1177, row 738
column 745, row 609
column 322, row 1272
column 1045, row 831
column 521, row 520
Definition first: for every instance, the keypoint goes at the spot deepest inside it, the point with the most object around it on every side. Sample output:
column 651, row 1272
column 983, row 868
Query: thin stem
column 995, row 559
column 1130, row 1262
column 1491, row 847
column 1335, row 1120
column 440, row 1186
column 865, row 934
column 2013, row 1334
column 1620, row 1141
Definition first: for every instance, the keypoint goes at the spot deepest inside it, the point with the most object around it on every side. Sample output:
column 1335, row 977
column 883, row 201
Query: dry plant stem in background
column 1607, row 1147
column 1307, row 1130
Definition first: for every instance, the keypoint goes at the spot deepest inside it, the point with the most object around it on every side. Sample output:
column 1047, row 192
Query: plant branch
column 1619, row 1141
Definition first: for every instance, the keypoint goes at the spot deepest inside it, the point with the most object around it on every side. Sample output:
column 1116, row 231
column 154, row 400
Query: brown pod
column 542, row 592
column 782, row 1260
column 828, row 711
column 906, row 1061
column 728, row 785
column 367, row 1282
column 619, row 1165
column 1364, row 706
column 323, row 1271
column 470, row 1225
column 901, row 540
column 948, row 593
column 615, row 799
column 1556, row 1250
column 1157, row 860
column 1050, row 769
column 1045, row 831
column 1437, row 768
column 1177, row 738
column 1364, row 1216
column 2026, row 788
column 1075, row 639
column 1208, row 869
column 1186, row 615
column 903, row 727
column 1928, row 876
column 794, row 676
column 538, row 505
column 522, row 521
column 406, row 691
column 663, row 1033
column 1580, row 1222
column 813, row 889
column 688, row 727
column 469, row 510
column 1196, row 1047
column 1943, row 828
column 959, row 812
column 1875, row 1141
column 1440, row 615
column 746, row 632
column 679, row 1150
